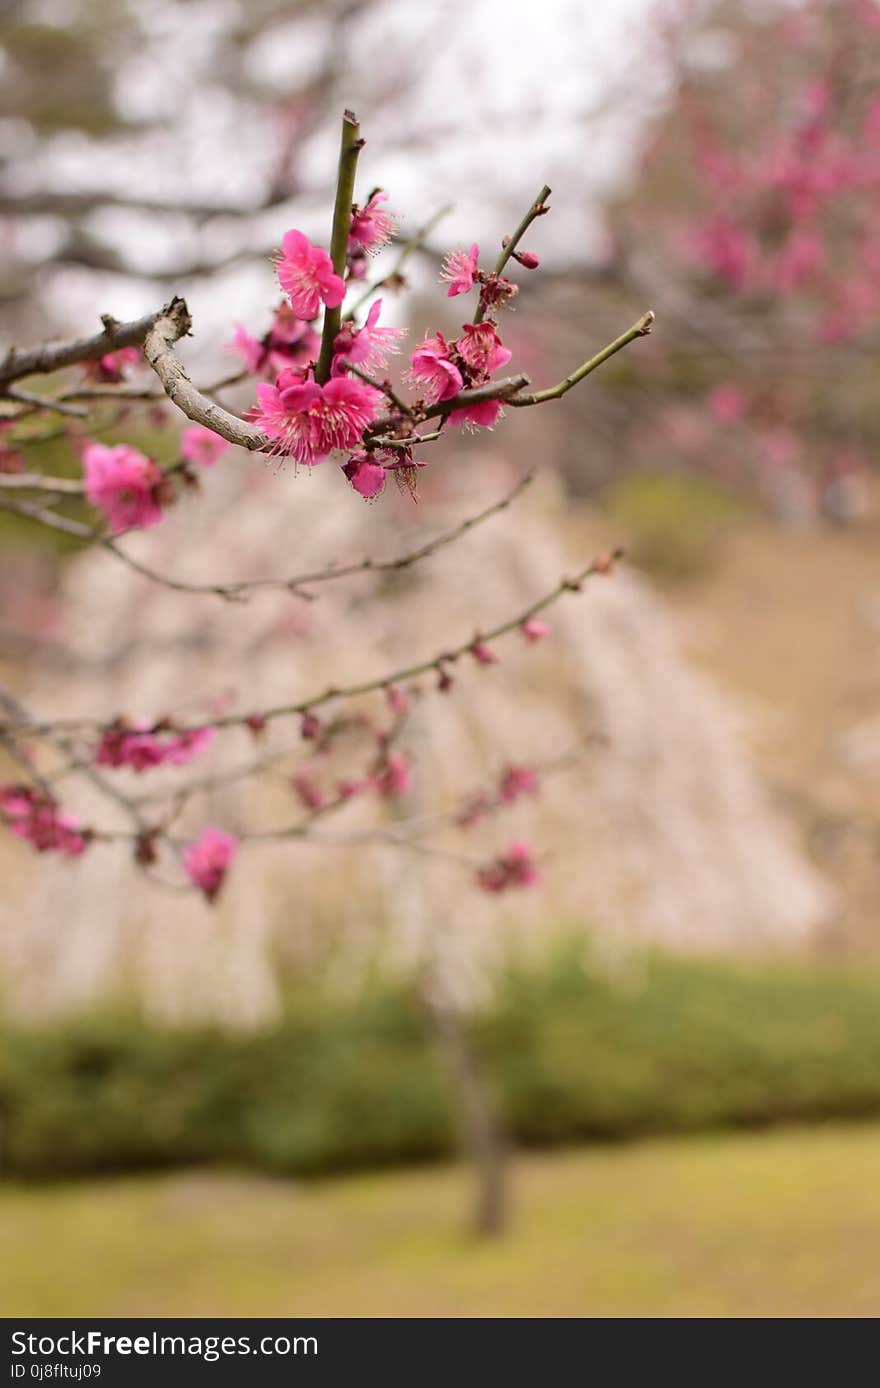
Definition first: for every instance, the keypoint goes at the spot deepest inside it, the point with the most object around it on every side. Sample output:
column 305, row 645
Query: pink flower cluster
column 441, row 370
column 290, row 342
column 33, row 815
column 125, row 484
column 368, row 472
column 142, row 750
column 309, row 421
column 515, row 868
column 206, row 860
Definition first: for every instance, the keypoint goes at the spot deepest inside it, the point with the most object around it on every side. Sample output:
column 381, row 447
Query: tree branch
column 349, row 150
column 18, row 363
column 167, row 327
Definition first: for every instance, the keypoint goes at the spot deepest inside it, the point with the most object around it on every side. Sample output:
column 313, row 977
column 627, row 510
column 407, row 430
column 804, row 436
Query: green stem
column 349, row 149
column 537, row 209
column 639, row 329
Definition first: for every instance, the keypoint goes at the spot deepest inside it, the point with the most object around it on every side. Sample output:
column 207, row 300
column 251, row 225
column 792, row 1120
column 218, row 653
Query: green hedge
column 668, row 1046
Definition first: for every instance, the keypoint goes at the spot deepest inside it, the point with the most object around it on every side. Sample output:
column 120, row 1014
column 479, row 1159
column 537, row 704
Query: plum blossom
column 206, row 860
column 533, row 629
column 365, row 474
column 368, row 471
column 395, row 778
column 515, row 868
column 290, row 342
column 726, row 403
column 460, row 270
column 111, row 368
column 367, row 347
column 306, row 274
column 517, row 781
column 482, row 414
column 309, row 421
column 483, row 654
column 142, row 749
column 125, row 484
column 33, row 815
column 433, row 371
column 481, row 349
column 726, row 249
column 371, row 226
column 398, row 700
column 203, row 446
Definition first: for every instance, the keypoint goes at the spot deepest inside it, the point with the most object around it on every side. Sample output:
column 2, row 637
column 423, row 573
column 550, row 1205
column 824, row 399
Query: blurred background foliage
column 348, row 1080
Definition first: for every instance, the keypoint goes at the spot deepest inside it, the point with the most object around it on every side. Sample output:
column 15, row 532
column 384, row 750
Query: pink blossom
column 207, row 860
column 481, row 349
column 527, row 259
column 142, row 750
column 726, row 403
column 306, row 274
column 202, row 446
column 517, row 781
column 460, row 269
column 308, row 420
column 124, row 484
column 365, row 474
column 370, row 226
column 310, row 727
column 35, row 816
column 483, row 654
column 290, row 342
column 398, row 700
column 727, row 250
column 367, row 347
column 515, row 868
column 432, row 370
column 395, row 778
column 533, row 629
column 252, row 351
column 347, row 790
column 111, row 368
column 481, row 415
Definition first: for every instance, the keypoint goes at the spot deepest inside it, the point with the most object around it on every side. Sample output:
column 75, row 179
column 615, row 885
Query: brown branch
column 41, row 360
column 437, row 663
column 168, row 326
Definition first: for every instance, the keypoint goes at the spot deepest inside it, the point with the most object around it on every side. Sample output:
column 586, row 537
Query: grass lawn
column 774, row 1224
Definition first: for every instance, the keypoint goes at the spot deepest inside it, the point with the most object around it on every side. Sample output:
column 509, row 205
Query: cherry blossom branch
column 349, row 149
column 537, row 209
column 437, row 663
column 236, row 590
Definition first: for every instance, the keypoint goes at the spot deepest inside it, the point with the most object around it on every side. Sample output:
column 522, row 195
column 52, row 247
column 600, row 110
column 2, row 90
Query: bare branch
column 30, row 361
